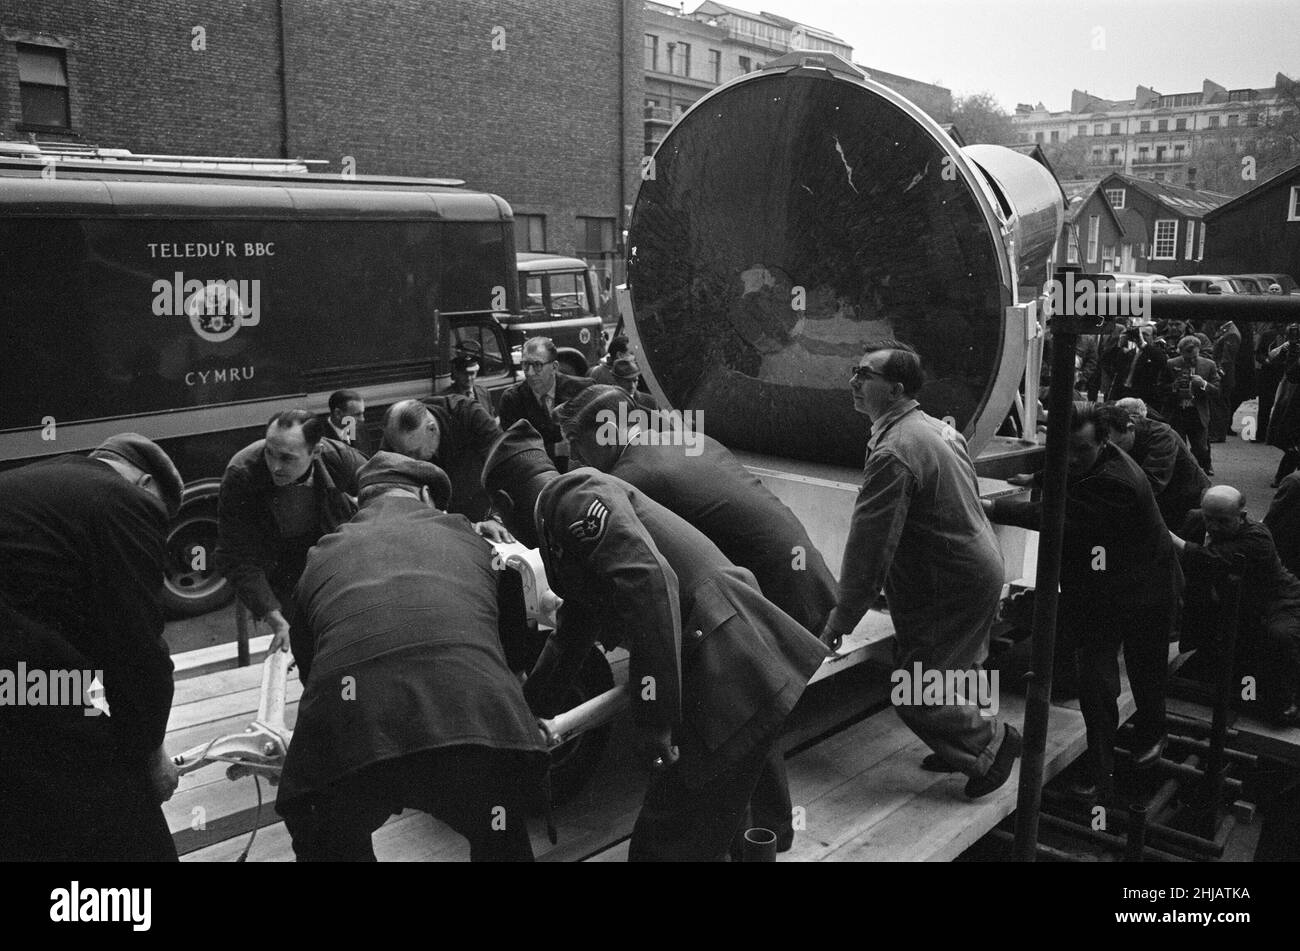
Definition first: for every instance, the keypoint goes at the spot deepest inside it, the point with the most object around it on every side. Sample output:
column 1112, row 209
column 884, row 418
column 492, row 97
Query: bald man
column 1268, row 641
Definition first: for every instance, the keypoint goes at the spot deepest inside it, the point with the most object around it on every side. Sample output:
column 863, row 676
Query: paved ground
column 1247, row 466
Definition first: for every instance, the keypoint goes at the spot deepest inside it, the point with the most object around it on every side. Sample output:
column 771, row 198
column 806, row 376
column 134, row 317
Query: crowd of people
column 376, row 570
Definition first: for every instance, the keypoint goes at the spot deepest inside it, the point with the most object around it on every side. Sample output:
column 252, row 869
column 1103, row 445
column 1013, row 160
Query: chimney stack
column 1191, row 177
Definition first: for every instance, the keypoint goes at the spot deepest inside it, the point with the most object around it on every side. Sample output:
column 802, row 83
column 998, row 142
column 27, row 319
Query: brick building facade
column 500, row 95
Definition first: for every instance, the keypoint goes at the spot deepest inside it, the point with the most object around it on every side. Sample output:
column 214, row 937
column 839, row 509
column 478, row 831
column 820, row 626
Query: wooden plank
column 219, row 654
column 242, row 702
column 220, row 683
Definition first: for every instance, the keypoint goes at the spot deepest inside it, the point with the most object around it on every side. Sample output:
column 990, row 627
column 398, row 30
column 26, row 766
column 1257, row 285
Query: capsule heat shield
column 788, row 222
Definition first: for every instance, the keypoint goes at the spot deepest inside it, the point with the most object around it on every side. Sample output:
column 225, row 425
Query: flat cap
column 391, row 468
column 515, row 458
column 147, row 455
column 625, row 368
column 582, row 411
column 464, row 361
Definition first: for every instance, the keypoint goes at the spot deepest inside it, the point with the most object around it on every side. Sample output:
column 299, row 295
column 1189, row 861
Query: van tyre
column 191, row 584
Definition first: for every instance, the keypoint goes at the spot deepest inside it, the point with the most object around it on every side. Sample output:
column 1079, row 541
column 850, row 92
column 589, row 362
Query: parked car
column 1285, row 281
column 1254, row 283
column 1201, row 284
column 1155, row 283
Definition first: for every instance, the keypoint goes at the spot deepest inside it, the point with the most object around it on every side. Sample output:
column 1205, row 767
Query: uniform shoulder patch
column 591, row 527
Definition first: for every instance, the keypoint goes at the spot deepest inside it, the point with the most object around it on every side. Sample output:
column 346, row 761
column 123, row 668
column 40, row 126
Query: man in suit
column 714, row 668
column 1176, row 479
column 544, row 387
column 1190, row 381
column 1120, row 582
column 626, row 375
column 346, row 420
column 1283, row 522
column 279, row 495
column 918, row 531
column 1268, row 639
column 703, row 483
column 464, row 375
column 1227, row 342
column 455, row 433
column 81, row 573
column 408, row 700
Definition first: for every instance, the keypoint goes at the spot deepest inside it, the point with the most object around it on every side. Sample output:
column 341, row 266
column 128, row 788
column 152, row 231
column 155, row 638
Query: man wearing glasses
column 920, row 532
column 544, row 388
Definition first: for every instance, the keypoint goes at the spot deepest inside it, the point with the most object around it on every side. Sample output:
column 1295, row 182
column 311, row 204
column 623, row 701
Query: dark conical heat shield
column 789, row 220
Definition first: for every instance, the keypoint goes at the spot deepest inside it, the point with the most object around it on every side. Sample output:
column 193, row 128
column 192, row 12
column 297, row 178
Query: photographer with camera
column 1189, row 383
column 1134, row 366
column 1284, row 422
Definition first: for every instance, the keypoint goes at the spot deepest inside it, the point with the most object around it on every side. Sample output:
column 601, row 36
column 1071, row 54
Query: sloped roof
column 1077, row 197
column 1189, row 202
column 1285, row 176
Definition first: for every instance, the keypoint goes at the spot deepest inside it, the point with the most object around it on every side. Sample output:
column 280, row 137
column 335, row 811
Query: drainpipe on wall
column 284, row 82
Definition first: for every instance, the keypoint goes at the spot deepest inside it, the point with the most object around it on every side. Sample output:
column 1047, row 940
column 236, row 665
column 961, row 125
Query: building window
column 1094, row 235
column 1116, row 198
column 1165, row 245
column 1178, row 153
column 596, row 244
column 1252, row 118
column 1160, row 153
column 1056, row 137
column 1098, row 128
column 652, row 52
column 1200, row 250
column 745, row 65
column 1096, row 156
column 1072, row 247
column 1114, row 156
column 715, row 65
column 1114, row 128
column 679, row 59
column 43, row 86
column 1191, row 234
column 1232, row 120
column 1038, row 136
column 1144, row 153
column 1108, row 257
column 530, row 232
column 1214, row 122
column 1158, row 176
column 1180, row 124
column 1293, row 213
column 1083, row 130
column 1162, row 125
column 1144, row 125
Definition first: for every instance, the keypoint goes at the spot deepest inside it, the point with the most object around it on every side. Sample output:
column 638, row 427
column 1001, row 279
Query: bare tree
column 980, row 120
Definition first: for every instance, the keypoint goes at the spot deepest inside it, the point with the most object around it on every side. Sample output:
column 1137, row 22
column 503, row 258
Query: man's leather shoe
column 1287, row 718
column 978, row 786
column 934, row 763
column 1147, row 757
column 1084, row 790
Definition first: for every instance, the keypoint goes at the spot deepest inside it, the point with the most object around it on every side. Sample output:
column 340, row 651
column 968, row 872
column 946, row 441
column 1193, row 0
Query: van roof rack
column 45, row 152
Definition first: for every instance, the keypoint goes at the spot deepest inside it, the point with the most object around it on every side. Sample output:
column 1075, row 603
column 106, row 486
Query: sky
column 1039, row 50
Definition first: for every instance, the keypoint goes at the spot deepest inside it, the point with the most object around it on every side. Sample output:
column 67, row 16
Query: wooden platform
column 853, row 766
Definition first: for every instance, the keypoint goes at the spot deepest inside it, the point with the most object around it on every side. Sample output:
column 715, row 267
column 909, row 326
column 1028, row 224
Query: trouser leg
column 483, row 794
column 1280, row 662
column 684, row 824
column 336, row 825
column 1289, row 462
column 1098, row 662
column 963, row 729
column 1146, row 655
column 770, row 805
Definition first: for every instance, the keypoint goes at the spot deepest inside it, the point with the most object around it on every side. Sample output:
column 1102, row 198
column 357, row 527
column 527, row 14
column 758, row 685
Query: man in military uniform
column 707, row 704
column 704, row 484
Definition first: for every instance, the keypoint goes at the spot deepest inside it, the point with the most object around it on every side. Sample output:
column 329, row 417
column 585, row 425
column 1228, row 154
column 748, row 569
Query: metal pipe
column 1226, row 650
column 1189, row 772
column 1113, row 843
column 1197, row 727
column 595, row 712
column 1038, row 698
column 1137, row 832
column 1203, row 746
column 1243, row 307
column 1045, row 851
column 1153, row 831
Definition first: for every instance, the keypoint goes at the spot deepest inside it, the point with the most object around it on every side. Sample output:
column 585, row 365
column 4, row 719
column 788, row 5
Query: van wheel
column 571, row 362
column 573, row 763
column 191, row 585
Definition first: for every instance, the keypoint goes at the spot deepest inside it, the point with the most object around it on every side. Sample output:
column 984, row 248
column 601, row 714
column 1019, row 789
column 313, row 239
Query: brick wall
column 536, row 101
